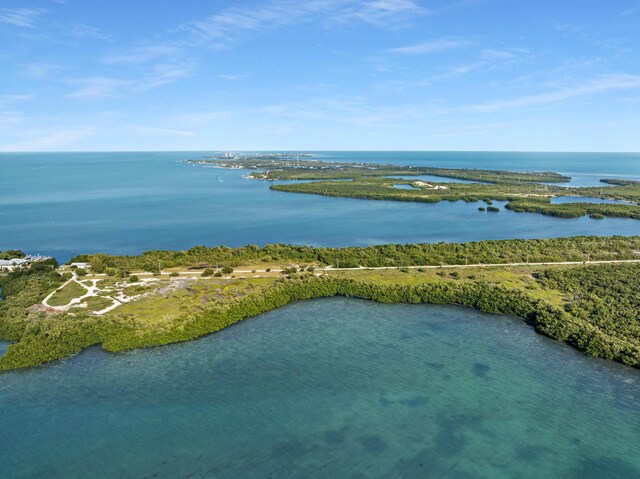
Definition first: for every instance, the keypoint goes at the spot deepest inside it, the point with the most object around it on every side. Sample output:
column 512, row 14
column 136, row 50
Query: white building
column 80, row 265
column 12, row 264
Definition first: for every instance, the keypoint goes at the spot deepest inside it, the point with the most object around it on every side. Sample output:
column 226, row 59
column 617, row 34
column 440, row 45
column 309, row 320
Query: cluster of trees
column 12, row 253
column 489, row 252
column 574, row 210
column 605, row 300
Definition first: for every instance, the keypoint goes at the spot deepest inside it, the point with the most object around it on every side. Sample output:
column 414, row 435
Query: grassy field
column 68, row 292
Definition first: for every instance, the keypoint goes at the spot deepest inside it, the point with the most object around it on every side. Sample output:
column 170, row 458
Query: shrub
column 208, row 272
column 81, row 272
column 482, row 208
column 596, row 216
column 133, row 279
column 218, row 274
column 227, row 270
column 174, row 274
column 493, row 209
column 268, row 270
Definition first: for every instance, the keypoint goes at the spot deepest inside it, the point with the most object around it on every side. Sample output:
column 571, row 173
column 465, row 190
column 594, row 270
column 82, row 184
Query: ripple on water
column 329, row 388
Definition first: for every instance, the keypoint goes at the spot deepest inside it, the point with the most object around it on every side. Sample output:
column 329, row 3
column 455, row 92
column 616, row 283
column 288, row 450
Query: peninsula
column 532, row 192
column 580, row 290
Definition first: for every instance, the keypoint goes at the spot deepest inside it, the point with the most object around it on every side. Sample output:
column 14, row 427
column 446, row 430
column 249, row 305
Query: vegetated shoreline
column 41, row 338
column 524, row 191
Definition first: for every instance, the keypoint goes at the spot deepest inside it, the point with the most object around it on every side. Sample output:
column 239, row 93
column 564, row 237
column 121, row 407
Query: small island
column 582, row 291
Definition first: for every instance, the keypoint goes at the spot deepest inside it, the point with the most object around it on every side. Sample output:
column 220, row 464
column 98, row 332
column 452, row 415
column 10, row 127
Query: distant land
column 524, row 191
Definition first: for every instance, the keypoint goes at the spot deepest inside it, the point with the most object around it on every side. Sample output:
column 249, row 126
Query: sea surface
column 64, row 204
column 325, row 389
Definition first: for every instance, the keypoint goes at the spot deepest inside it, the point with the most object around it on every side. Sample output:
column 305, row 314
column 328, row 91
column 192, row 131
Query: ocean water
column 65, row 204
column 324, row 389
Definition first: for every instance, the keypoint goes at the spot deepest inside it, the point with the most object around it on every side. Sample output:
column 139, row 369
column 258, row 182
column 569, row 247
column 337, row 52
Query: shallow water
column 66, row 204
column 583, row 199
column 329, row 388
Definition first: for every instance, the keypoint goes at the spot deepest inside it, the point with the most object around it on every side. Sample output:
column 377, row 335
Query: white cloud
column 432, row 46
column 382, row 13
column 80, row 30
column 20, row 17
column 162, row 74
column 224, row 27
column 6, row 100
column 144, row 54
column 599, row 85
column 52, row 140
column 149, row 130
column 98, row 87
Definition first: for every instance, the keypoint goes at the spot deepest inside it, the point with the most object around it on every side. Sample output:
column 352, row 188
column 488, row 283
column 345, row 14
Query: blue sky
column 320, row 75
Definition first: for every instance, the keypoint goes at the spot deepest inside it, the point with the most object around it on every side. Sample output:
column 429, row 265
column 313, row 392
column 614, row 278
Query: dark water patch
column 531, row 453
column 374, row 444
column 481, row 370
column 601, row 467
column 335, row 437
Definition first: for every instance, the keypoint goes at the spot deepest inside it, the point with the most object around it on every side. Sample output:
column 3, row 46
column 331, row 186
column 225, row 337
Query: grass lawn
column 67, row 293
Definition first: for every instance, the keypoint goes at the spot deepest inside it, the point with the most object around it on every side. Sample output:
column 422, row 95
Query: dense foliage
column 607, row 298
column 489, row 252
column 308, row 169
column 533, row 198
column 574, row 210
column 601, row 317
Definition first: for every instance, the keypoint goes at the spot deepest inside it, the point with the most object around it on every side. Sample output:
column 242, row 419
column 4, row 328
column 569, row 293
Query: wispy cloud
column 224, row 27
column 57, row 139
column 162, row 74
column 6, row 100
column 599, row 85
column 381, row 13
column 144, row 54
column 97, row 87
column 235, row 77
column 431, row 46
column 149, row 130
column 191, row 120
column 20, row 17
column 80, row 30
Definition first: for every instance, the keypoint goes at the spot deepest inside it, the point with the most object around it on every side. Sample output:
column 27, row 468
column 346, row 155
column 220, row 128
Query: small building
column 80, row 265
column 13, row 264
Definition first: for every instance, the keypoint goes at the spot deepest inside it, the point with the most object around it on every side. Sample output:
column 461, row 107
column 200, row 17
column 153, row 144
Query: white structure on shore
column 13, row 264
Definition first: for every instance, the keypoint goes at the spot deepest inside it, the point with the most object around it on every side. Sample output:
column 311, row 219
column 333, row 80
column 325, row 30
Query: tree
column 227, row 270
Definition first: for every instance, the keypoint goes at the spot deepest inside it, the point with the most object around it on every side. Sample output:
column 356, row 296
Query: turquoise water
column 65, row 204
column 329, row 388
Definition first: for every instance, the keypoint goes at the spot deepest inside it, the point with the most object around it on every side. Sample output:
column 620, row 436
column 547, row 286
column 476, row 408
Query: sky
column 115, row 75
